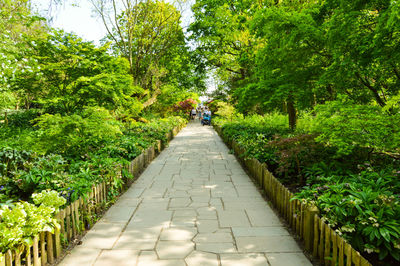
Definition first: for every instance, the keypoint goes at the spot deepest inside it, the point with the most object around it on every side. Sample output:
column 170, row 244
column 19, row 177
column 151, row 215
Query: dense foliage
column 23, row 221
column 332, row 66
column 290, row 55
column 352, row 181
column 57, row 156
column 73, row 114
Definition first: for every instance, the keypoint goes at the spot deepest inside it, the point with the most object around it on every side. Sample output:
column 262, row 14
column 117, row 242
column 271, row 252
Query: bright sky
column 77, row 16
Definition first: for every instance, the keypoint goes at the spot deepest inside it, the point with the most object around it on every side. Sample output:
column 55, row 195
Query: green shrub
column 346, row 126
column 352, row 179
column 23, row 118
column 88, row 157
column 363, row 207
column 20, row 223
column 226, row 110
column 75, row 134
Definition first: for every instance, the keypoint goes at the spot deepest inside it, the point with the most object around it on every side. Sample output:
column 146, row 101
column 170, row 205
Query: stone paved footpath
column 193, row 205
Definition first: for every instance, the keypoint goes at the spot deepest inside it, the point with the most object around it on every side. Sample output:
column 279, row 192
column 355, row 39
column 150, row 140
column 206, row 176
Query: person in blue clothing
column 208, row 112
column 206, row 117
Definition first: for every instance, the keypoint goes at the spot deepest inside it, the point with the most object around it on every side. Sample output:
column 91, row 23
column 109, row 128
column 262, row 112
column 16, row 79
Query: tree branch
column 372, row 89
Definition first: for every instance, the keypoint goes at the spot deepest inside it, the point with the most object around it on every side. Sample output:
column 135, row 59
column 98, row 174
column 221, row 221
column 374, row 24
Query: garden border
column 319, row 238
column 47, row 247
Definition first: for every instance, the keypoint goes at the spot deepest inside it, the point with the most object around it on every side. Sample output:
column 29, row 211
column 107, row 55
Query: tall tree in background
column 65, row 75
column 16, row 23
column 293, row 55
column 144, row 32
column 289, row 64
column 223, row 37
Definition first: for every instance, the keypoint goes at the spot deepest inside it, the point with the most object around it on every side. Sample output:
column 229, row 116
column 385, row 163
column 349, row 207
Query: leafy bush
column 346, row 126
column 23, row 118
column 225, row 110
column 11, row 160
column 20, row 223
column 31, row 173
column 293, row 155
column 353, row 180
column 72, row 174
column 75, row 134
column 363, row 207
column 268, row 126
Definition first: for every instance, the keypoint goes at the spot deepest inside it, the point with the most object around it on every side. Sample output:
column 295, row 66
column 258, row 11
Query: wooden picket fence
column 319, row 238
column 80, row 215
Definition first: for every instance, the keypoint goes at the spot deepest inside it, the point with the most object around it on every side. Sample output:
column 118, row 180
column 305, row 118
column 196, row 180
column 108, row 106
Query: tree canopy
column 291, row 56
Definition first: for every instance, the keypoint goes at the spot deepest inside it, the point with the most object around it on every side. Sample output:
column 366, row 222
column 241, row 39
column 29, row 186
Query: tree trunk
column 152, row 99
column 330, row 92
column 5, row 119
column 291, row 112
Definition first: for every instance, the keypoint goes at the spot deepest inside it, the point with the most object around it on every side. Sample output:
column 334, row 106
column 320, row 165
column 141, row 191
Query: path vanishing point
column 193, row 205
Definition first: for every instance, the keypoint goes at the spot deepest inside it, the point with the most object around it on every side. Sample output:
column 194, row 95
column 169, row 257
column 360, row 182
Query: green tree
column 223, row 38
column 65, row 74
column 146, row 33
column 300, row 54
column 363, row 38
column 289, row 65
column 16, row 22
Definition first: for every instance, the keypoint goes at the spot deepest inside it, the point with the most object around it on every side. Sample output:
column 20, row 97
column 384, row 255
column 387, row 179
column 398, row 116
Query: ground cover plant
column 72, row 163
column 354, row 182
column 23, row 221
column 73, row 114
column 29, row 177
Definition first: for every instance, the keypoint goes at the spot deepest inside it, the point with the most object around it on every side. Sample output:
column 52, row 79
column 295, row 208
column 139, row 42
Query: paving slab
column 150, row 258
column 174, row 249
column 259, row 231
column 207, row 226
column 216, row 247
column 194, row 205
column 199, row 258
column 263, row 217
column 267, row 244
column 81, row 256
column 178, row 233
column 214, row 238
column 245, row 259
column 118, row 214
column 102, row 236
column 233, row 218
column 284, row 259
column 117, row 257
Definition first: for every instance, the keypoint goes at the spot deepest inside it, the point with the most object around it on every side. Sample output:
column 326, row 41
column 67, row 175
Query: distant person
column 193, row 114
column 208, row 112
column 199, row 113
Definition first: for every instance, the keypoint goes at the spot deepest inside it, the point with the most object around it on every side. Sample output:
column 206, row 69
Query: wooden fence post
column 43, row 253
column 9, row 258
column 17, row 256
column 2, row 260
column 28, row 256
column 347, row 251
column 158, row 145
column 57, row 242
column 36, row 261
column 327, row 251
column 50, row 247
column 146, row 157
column 311, row 211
